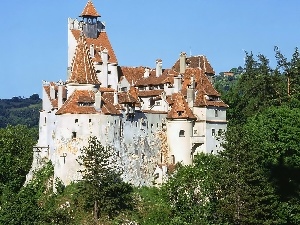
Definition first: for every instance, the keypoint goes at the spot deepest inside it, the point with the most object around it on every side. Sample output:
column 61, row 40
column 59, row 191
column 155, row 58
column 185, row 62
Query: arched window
column 181, row 133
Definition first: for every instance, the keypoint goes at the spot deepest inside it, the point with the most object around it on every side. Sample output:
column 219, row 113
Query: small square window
column 90, row 120
column 216, row 113
column 181, row 133
column 74, row 134
column 195, row 132
column 76, row 120
column 213, row 132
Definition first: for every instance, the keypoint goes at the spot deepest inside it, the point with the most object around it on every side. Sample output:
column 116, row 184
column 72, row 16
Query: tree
column 258, row 88
column 16, row 156
column 193, row 191
column 102, row 184
column 260, row 184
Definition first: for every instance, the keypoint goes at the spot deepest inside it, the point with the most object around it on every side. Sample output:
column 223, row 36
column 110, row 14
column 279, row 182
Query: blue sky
column 33, row 40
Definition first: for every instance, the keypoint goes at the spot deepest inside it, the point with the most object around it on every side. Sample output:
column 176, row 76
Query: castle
column 151, row 117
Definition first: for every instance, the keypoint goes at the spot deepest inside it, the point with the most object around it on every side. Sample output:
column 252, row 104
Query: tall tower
column 180, row 121
column 90, row 23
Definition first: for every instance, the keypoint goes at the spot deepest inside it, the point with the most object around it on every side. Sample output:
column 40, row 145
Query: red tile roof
column 166, row 77
column 199, row 61
column 201, row 101
column 180, row 108
column 82, row 102
column 73, row 104
column 132, row 74
column 201, row 81
column 90, row 10
column 149, row 93
column 82, row 68
column 100, row 43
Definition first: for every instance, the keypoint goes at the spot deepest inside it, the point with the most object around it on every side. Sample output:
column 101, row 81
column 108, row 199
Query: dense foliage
column 20, row 111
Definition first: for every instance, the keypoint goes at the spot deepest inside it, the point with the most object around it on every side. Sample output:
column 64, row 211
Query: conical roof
column 180, row 108
column 83, row 71
column 90, row 10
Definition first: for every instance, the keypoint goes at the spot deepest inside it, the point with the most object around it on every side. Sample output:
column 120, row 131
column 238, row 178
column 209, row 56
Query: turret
column 180, row 121
column 90, row 20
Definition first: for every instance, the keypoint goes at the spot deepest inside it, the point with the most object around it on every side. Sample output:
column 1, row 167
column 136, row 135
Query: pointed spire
column 83, row 71
column 90, row 10
column 180, row 108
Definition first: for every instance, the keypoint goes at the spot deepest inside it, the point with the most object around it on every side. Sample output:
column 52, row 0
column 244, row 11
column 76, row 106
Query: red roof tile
column 166, row 77
column 180, row 108
column 199, row 61
column 149, row 93
column 82, row 68
column 100, row 43
column 90, row 10
column 201, row 81
column 80, row 102
column 132, row 74
column 201, row 101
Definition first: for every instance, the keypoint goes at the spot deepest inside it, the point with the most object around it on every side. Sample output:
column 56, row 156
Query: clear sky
column 33, row 40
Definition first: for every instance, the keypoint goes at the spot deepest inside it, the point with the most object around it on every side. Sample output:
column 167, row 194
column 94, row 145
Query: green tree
column 260, row 183
column 258, row 88
column 193, row 191
column 15, row 156
column 102, row 184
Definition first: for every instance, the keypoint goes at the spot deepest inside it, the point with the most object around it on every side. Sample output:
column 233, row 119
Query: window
column 216, row 113
column 74, row 134
column 124, row 89
column 45, row 120
column 76, row 120
column 90, row 120
column 181, row 133
column 213, row 132
column 179, row 113
column 195, row 132
column 157, row 103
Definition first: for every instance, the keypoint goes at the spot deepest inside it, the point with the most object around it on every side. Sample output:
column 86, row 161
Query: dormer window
column 179, row 113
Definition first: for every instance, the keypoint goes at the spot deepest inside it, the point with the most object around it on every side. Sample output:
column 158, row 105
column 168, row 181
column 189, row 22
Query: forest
column 20, row 111
column 254, row 180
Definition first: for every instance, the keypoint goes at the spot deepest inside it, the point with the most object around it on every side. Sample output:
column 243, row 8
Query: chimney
column 182, row 61
column 177, row 84
column 191, row 93
column 52, row 91
column 98, row 100
column 60, row 84
column 116, row 101
column 147, row 72
column 158, row 67
column 104, row 57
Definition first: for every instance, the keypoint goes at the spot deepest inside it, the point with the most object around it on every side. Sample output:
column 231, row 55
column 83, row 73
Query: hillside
column 18, row 110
